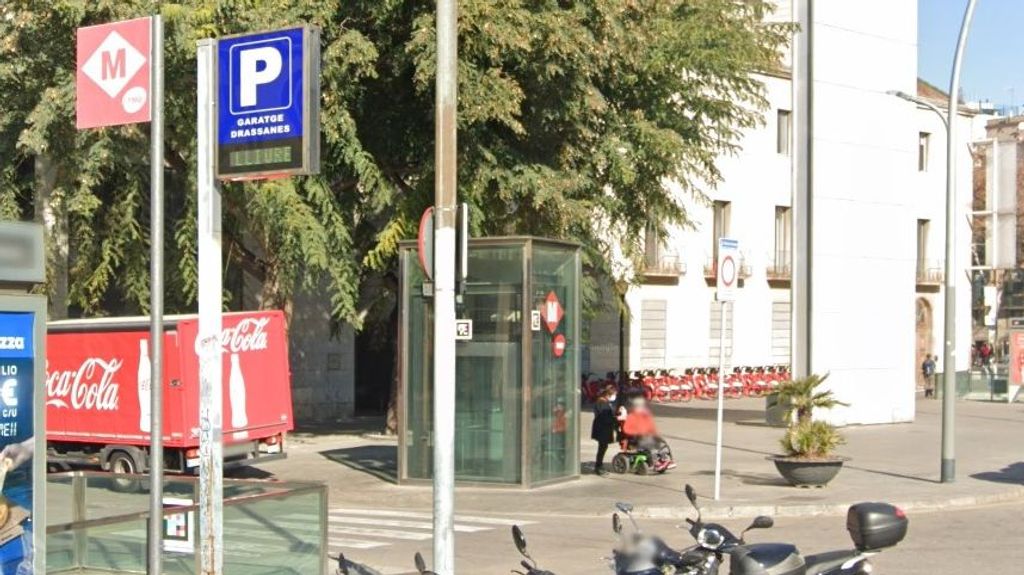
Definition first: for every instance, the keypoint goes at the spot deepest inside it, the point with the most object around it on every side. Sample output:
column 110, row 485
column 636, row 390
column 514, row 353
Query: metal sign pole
column 721, row 401
column 156, row 312
column 211, row 401
column 726, row 276
column 444, row 288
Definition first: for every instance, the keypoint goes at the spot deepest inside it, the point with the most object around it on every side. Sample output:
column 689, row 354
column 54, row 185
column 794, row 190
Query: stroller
column 642, row 450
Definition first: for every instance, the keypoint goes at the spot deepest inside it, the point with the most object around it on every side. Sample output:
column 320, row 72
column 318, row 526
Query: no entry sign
column 112, row 84
column 728, row 268
column 558, row 345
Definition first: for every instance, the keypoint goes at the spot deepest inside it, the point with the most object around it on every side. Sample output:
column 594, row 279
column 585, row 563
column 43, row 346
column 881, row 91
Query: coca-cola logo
column 91, row 386
column 249, row 335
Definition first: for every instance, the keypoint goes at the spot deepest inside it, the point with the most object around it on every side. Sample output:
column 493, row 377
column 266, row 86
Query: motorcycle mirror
column 624, row 507
column 616, row 523
column 520, row 540
column 421, row 565
column 762, row 522
column 691, row 494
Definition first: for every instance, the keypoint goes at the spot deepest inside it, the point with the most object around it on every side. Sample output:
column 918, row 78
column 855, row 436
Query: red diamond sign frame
column 113, row 73
column 552, row 312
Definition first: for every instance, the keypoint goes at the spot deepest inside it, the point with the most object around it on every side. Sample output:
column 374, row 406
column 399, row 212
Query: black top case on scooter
column 766, row 559
column 875, row 526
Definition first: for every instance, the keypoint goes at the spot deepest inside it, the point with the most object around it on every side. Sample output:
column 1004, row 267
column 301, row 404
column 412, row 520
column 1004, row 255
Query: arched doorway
column 923, row 342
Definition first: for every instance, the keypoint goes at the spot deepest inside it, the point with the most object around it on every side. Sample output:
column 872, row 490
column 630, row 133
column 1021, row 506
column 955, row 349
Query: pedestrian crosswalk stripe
column 380, row 522
column 426, row 515
column 386, row 533
column 355, row 544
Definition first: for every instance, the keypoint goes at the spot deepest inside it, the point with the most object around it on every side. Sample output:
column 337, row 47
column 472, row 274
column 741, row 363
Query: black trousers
column 602, row 448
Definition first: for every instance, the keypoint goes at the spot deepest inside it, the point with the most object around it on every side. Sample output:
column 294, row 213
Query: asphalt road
column 963, row 541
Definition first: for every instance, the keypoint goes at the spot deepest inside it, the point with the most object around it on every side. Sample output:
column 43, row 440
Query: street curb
column 683, row 511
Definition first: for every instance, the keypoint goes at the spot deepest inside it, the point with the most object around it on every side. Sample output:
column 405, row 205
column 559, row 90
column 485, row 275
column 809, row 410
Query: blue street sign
column 268, row 104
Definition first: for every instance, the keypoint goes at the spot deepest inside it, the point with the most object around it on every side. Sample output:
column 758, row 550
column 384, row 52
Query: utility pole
column 948, row 473
column 444, row 286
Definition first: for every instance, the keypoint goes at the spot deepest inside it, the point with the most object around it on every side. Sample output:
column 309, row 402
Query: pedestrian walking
column 603, row 429
column 928, row 371
column 986, row 358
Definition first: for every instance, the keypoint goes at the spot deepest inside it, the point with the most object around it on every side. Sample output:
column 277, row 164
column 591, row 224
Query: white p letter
column 249, row 78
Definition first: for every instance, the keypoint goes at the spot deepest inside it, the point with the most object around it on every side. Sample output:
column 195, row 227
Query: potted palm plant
column 808, row 458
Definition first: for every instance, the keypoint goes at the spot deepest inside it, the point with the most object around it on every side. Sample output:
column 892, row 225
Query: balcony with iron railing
column 663, row 268
column 779, row 270
column 930, row 275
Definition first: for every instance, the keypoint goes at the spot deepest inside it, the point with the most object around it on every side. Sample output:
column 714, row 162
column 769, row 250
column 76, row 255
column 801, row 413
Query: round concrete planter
column 808, row 472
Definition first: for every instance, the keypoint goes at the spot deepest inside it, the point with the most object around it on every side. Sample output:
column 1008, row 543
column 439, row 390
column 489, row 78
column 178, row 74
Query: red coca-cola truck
column 98, row 382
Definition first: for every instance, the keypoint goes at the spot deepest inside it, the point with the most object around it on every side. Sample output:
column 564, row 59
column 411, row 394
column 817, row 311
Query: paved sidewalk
column 896, row 463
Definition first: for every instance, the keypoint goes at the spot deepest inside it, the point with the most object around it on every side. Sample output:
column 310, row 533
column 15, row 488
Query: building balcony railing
column 930, row 274
column 779, row 269
column 664, row 267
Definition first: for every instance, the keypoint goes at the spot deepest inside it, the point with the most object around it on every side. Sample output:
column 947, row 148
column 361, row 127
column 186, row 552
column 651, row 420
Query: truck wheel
column 122, row 464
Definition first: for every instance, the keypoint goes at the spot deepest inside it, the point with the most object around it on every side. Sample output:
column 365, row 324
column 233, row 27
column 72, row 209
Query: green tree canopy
column 573, row 116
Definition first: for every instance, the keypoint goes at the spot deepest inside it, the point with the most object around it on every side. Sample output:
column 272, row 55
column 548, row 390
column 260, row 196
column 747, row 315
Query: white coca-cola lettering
column 249, row 335
column 91, row 386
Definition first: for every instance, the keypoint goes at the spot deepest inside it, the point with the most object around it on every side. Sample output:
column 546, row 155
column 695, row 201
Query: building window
column 922, row 151
column 783, row 238
column 715, row 333
column 781, row 332
column 653, row 333
column 922, row 246
column 785, row 121
column 721, row 225
column 652, row 247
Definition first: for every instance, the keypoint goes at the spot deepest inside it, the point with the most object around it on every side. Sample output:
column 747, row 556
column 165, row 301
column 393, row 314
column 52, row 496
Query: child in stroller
column 642, row 449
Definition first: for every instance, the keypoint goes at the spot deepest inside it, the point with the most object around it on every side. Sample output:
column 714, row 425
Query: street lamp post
column 948, row 466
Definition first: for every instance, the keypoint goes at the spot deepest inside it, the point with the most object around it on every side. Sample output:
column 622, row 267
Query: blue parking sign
column 268, row 104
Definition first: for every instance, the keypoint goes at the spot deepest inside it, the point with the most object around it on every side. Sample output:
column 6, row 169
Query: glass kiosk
column 517, row 379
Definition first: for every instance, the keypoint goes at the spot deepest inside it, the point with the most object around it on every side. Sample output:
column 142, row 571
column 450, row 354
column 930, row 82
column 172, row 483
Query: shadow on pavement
column 762, row 479
column 1013, row 473
column 380, row 461
column 893, row 474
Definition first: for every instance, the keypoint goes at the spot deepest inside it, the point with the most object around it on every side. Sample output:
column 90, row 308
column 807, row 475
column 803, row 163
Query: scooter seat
column 829, row 561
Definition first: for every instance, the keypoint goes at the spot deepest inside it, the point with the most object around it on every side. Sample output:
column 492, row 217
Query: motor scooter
column 873, row 528
column 642, row 554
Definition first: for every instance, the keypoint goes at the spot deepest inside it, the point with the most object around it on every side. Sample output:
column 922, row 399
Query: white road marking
column 379, row 522
column 426, row 515
column 385, row 533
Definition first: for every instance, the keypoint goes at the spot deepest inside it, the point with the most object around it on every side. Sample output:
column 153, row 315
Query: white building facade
column 874, row 215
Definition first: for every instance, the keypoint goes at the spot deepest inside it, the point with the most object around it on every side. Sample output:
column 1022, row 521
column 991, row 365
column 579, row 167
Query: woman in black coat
column 603, row 429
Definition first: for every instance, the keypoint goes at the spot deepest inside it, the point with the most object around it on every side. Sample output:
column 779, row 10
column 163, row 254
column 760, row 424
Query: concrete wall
column 323, row 368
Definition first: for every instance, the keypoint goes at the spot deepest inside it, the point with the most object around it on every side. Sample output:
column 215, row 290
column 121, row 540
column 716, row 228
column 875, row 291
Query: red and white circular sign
column 558, row 345
column 728, row 271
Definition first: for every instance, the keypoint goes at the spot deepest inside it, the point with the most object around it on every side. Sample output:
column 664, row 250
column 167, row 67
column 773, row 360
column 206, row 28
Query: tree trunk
column 50, row 211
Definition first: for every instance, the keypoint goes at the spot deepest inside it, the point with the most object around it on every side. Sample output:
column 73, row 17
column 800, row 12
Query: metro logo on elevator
column 264, row 110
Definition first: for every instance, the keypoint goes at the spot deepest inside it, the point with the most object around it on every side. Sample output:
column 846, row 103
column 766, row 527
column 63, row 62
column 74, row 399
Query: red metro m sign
column 112, row 83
